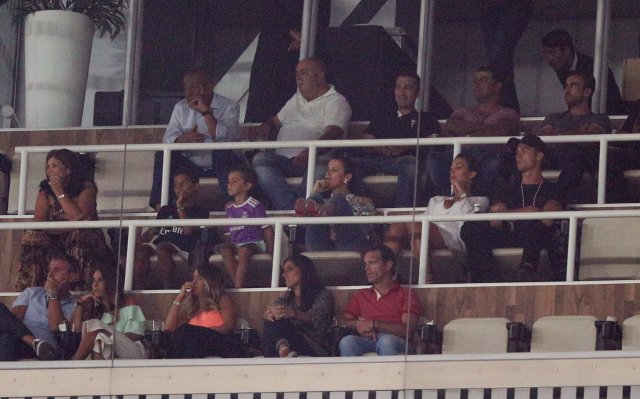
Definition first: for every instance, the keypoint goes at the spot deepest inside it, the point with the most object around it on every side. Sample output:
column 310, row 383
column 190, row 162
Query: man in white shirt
column 201, row 117
column 316, row 112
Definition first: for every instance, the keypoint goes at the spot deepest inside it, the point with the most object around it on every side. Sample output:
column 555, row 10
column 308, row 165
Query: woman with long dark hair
column 298, row 322
column 202, row 318
column 95, row 316
column 65, row 195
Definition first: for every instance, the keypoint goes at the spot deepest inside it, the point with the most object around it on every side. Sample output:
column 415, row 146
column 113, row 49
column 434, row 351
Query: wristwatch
column 51, row 295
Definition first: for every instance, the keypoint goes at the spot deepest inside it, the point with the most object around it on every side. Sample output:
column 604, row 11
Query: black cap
column 528, row 139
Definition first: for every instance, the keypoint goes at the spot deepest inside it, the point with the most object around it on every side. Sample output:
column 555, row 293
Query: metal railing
column 313, row 146
column 457, row 142
column 280, row 222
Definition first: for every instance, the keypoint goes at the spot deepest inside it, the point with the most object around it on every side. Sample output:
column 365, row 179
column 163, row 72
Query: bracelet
column 205, row 113
column 61, row 196
column 176, row 302
column 80, row 303
column 180, row 209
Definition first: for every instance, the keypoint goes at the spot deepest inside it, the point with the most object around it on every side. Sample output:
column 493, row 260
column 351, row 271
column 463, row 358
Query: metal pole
column 604, row 72
column 571, row 250
column 306, row 29
column 166, row 174
column 313, row 29
column 597, row 54
column 423, row 270
column 311, row 169
column 425, row 51
column 602, row 172
column 131, row 255
column 277, row 255
column 129, row 63
column 22, row 188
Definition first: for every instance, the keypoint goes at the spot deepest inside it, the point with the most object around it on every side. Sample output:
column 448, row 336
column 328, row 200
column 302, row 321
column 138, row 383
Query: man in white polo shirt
column 316, row 112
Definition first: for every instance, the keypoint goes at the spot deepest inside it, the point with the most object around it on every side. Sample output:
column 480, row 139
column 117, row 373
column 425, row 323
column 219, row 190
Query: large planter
column 57, row 55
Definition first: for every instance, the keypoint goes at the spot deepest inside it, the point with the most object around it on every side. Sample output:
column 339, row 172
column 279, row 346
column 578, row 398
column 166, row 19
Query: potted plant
column 58, row 40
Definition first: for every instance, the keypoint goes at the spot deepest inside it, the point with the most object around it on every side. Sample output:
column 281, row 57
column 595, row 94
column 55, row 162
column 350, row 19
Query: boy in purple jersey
column 243, row 240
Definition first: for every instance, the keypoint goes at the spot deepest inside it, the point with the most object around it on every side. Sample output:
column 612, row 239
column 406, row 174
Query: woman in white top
column 443, row 234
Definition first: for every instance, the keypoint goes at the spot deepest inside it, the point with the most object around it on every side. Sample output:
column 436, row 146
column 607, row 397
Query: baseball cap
column 528, row 139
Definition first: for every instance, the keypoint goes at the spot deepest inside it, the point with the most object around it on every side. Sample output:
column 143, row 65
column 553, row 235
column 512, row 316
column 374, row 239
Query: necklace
column 533, row 203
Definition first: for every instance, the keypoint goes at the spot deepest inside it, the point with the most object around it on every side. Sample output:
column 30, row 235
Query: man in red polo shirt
column 383, row 315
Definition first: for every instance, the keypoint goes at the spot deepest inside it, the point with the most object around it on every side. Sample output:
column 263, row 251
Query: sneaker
column 43, row 350
column 300, row 207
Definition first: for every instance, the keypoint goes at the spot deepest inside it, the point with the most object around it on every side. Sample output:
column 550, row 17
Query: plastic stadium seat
column 564, row 334
column 476, row 335
column 631, row 333
column 606, row 252
column 338, row 267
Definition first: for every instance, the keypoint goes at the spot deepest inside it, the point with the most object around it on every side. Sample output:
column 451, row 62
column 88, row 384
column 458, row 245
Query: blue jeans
column 385, row 344
column 273, row 169
column 349, row 237
column 223, row 161
column 404, row 167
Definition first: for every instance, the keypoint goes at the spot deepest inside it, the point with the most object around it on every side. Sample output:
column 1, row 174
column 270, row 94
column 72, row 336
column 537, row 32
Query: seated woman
column 94, row 317
column 340, row 202
column 443, row 234
column 202, row 318
column 167, row 241
column 66, row 195
column 299, row 321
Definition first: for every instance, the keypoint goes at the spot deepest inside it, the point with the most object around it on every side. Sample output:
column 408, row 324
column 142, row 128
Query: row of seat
column 548, row 334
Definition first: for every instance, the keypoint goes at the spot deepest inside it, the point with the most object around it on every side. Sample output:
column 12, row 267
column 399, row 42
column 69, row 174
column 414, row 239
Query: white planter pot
column 57, row 55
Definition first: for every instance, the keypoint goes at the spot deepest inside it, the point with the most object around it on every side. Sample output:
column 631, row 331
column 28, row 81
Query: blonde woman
column 202, row 318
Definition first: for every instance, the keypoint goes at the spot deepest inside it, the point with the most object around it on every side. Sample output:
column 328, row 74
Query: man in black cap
column 530, row 193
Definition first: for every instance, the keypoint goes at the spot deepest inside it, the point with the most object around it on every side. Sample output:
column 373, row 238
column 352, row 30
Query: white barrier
column 280, row 222
column 457, row 142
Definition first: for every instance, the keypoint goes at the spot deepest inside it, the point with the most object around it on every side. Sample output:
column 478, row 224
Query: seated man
column 532, row 193
column 487, row 118
column 29, row 327
column 401, row 123
column 561, row 55
column 316, row 112
column 201, row 117
column 382, row 315
column 575, row 158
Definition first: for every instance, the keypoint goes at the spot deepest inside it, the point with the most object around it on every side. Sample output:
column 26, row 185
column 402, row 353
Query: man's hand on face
column 191, row 136
column 198, row 104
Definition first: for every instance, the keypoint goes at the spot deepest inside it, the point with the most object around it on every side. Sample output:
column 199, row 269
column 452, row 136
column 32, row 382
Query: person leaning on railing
column 65, row 195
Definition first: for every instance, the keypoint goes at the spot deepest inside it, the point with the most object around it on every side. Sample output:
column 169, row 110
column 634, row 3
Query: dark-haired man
column 383, row 314
column 28, row 328
column 487, row 118
column 532, row 193
column 561, row 55
column 202, row 116
column 574, row 158
column 401, row 123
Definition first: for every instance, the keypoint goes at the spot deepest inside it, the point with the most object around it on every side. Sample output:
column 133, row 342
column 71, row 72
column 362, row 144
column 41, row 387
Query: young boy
column 167, row 241
column 245, row 240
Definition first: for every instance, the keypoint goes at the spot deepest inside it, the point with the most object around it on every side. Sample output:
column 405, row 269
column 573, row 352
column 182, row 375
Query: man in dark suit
column 558, row 49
